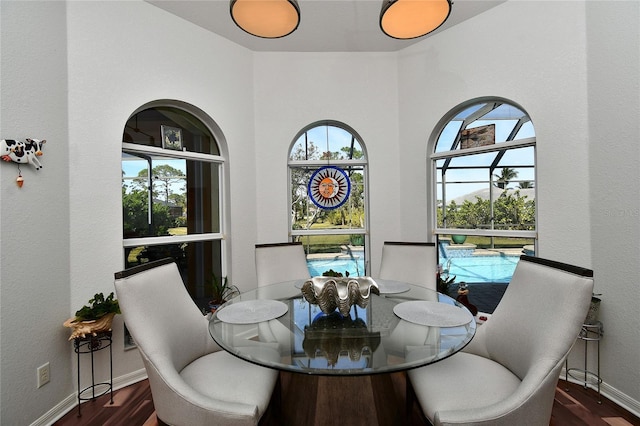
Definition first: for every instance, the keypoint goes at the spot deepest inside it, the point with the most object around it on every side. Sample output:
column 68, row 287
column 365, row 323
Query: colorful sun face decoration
column 329, row 187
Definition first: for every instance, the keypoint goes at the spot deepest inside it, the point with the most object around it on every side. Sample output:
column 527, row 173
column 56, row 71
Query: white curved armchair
column 414, row 263
column 508, row 373
column 193, row 381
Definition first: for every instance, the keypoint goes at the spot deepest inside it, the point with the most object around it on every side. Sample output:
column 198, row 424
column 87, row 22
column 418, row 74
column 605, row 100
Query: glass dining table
column 404, row 327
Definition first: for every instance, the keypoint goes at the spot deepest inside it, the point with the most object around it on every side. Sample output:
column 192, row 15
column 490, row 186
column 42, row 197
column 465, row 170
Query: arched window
column 328, row 197
column 484, row 189
column 172, row 192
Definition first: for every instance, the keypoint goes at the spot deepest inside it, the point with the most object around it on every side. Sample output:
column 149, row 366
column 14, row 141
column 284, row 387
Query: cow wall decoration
column 22, row 153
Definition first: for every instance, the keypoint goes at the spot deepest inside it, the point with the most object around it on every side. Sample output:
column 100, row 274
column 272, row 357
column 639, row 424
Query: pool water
column 471, row 269
column 483, row 269
column 354, row 266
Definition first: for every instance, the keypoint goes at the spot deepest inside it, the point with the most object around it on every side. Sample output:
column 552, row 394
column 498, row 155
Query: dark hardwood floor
column 370, row 400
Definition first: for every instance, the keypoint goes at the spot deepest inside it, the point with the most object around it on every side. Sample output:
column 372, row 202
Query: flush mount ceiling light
column 405, row 19
column 266, row 18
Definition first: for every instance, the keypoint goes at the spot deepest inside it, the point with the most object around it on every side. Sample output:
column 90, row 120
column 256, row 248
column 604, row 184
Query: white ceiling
column 325, row 25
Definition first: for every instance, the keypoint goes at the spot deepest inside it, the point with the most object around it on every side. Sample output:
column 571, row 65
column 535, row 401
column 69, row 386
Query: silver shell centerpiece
column 330, row 293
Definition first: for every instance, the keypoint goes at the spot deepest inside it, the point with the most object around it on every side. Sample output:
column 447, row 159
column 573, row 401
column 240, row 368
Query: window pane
column 156, row 184
column 306, row 215
column 338, row 224
column 517, row 157
column 487, row 191
column 145, row 128
column 491, row 193
column 482, row 259
column 327, row 143
column 504, row 118
column 511, row 209
column 526, row 131
column 327, row 254
column 467, row 112
column 197, row 261
column 448, row 136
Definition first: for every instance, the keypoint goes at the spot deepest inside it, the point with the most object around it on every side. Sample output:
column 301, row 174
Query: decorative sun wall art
column 329, row 187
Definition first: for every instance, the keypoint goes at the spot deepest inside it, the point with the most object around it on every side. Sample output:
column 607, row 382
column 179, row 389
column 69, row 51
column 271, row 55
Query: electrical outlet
column 44, row 374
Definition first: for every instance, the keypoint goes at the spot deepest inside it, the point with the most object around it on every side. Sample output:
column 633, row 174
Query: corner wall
column 614, row 145
column 293, row 90
column 34, row 219
column 73, row 72
column 502, row 53
column 578, row 80
column 122, row 55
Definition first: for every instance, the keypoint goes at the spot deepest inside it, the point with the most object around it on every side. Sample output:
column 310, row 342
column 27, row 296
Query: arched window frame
column 314, row 164
column 487, row 105
column 201, row 278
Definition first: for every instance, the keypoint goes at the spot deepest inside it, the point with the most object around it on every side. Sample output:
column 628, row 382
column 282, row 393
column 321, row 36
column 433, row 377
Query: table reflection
column 336, row 338
column 367, row 340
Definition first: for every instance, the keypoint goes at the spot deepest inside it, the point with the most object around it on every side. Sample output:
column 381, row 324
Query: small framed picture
column 478, row 136
column 171, row 138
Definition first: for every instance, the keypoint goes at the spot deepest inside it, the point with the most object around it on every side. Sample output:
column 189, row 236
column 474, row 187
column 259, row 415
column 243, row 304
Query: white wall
column 614, row 129
column 34, row 219
column 142, row 61
column 582, row 95
column 294, row 90
column 121, row 55
column 61, row 233
column 497, row 54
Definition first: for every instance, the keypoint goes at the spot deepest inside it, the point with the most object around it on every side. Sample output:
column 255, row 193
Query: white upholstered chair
column 277, row 262
column 280, row 262
column 193, row 381
column 413, row 263
column 508, row 373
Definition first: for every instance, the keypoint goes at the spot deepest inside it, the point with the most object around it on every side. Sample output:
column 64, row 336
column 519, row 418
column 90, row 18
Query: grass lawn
column 499, row 242
column 325, row 243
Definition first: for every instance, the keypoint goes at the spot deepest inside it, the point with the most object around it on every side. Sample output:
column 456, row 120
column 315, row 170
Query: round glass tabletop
column 274, row 326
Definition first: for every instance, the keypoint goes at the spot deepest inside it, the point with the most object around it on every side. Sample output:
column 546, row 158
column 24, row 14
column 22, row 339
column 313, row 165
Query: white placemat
column 433, row 314
column 252, row 311
column 391, row 287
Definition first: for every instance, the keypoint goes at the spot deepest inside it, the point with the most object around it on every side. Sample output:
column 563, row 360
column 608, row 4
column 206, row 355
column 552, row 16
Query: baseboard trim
column 611, row 393
column 56, row 413
column 71, row 401
column 621, row 399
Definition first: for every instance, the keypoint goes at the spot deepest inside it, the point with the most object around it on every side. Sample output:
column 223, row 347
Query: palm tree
column 525, row 184
column 505, row 177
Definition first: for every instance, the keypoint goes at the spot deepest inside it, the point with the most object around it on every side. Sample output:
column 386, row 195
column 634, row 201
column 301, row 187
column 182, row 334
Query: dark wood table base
column 309, row 400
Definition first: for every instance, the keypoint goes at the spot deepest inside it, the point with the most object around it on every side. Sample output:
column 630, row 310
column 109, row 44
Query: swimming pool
column 355, row 266
column 483, row 269
column 471, row 269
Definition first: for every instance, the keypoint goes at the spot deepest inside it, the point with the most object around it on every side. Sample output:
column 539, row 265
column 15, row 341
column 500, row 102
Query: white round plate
column 252, row 311
column 433, row 314
column 391, row 287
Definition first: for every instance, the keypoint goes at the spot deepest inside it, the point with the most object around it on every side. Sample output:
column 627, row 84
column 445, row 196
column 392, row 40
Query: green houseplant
column 221, row 291
column 95, row 317
column 99, row 307
column 444, row 280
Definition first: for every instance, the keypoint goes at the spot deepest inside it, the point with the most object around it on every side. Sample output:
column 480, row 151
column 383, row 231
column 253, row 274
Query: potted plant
column 94, row 318
column 332, row 273
column 458, row 239
column 443, row 280
column 221, row 291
